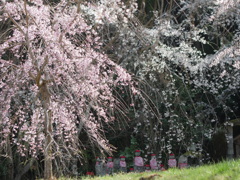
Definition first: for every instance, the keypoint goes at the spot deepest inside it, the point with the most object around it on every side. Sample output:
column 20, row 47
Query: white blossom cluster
column 185, row 84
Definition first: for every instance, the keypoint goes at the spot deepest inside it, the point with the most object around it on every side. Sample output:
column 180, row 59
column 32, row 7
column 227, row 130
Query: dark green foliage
column 129, row 151
column 218, row 146
column 3, row 168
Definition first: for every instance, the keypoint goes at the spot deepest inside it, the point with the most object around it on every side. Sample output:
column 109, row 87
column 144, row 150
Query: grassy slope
column 225, row 170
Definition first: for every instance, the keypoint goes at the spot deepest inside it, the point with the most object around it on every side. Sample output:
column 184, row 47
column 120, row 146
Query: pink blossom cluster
column 57, row 64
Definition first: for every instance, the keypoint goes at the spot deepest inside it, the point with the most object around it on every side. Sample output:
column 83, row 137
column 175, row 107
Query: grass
column 227, row 170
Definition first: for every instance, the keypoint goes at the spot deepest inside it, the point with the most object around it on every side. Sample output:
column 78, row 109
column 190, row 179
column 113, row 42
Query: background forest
column 87, row 78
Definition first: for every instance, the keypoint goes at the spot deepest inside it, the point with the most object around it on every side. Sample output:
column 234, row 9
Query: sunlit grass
column 221, row 171
column 227, row 170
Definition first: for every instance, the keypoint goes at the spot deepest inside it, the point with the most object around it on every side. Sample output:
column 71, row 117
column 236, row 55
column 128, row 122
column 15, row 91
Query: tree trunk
column 45, row 98
column 230, row 151
column 10, row 162
column 48, row 146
